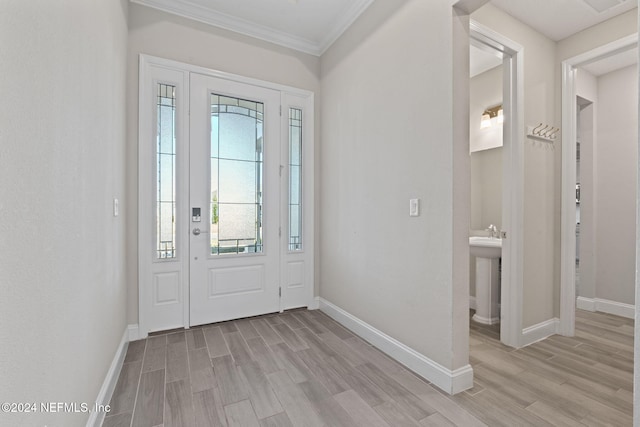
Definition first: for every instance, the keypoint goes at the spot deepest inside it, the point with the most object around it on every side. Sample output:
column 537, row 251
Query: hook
column 535, row 129
column 552, row 134
column 542, row 132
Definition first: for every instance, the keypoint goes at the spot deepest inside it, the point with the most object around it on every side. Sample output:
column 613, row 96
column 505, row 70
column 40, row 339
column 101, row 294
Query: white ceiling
column 558, row 19
column 481, row 60
column 612, row 63
column 309, row 26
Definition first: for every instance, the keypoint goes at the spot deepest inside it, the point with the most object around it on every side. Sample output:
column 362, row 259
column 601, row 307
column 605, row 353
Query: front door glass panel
column 236, row 175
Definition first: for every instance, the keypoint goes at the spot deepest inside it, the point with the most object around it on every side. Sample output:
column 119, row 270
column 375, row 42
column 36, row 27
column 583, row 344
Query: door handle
column 196, row 231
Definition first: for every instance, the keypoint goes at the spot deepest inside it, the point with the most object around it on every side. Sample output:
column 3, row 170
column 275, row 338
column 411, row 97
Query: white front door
column 235, row 195
column 225, row 206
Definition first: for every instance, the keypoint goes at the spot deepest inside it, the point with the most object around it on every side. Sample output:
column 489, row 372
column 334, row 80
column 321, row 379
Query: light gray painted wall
column 62, row 257
column 617, row 161
column 386, row 138
column 168, row 36
column 539, row 301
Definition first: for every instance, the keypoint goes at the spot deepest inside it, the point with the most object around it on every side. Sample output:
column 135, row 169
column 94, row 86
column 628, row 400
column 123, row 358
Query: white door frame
column 513, row 187
column 290, row 97
column 568, row 207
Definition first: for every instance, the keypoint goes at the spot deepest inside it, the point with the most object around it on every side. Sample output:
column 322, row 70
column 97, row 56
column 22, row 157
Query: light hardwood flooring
column 301, row 368
column 561, row 381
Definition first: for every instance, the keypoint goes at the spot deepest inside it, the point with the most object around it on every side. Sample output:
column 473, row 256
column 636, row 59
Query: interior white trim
column 206, row 15
column 109, row 384
column 606, row 306
column 315, row 304
column 568, row 207
column 588, row 304
column 512, row 280
column 133, row 332
column 451, row 381
column 540, row 331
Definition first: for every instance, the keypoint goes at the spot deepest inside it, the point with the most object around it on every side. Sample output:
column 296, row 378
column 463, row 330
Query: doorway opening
column 512, row 178
column 580, row 182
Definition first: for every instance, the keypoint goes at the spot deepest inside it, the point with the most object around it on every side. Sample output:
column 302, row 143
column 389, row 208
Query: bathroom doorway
column 508, row 201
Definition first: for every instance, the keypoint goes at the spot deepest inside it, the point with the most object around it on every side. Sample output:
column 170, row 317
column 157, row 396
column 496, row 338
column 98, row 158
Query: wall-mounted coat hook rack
column 543, row 132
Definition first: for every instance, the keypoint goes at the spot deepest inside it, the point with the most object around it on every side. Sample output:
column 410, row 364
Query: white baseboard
column 472, row 302
column 106, row 391
column 607, row 306
column 450, row 381
column 588, row 304
column 540, row 331
column 315, row 304
column 134, row 332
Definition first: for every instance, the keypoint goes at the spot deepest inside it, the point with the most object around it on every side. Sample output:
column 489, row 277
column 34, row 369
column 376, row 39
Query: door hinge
column 281, row 111
column 280, row 292
column 281, row 167
column 279, row 231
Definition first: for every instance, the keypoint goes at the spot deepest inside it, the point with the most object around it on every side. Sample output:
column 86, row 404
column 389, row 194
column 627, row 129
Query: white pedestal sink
column 487, row 251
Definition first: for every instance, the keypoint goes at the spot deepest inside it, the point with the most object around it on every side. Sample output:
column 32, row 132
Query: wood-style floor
column 301, row 368
column 561, row 381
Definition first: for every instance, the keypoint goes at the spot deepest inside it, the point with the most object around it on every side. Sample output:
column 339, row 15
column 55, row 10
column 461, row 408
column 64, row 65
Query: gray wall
column 616, row 168
column 386, row 138
column 62, row 257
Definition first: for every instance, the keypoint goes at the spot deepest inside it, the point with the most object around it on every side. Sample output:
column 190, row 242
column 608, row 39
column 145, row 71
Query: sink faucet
column 493, row 230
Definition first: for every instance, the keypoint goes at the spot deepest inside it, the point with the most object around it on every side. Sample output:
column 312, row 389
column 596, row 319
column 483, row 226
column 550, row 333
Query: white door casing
column 511, row 332
column 179, row 290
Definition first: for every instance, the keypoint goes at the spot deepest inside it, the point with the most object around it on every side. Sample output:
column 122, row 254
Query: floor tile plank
column 362, row 414
column 178, row 406
column 294, row 401
column 215, row 342
column 265, row 403
column 280, row 420
column 232, row 387
column 124, row 394
column 241, row 414
column 149, row 409
column 208, row 409
column 268, row 334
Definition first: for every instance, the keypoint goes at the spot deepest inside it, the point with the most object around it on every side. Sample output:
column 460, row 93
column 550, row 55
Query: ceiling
column 612, row 63
column 311, row 26
column 559, row 19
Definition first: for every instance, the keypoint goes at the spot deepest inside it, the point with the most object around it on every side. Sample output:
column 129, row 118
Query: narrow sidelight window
column 295, row 179
column 166, row 172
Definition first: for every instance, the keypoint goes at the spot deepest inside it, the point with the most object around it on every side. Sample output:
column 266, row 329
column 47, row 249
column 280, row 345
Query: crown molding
column 343, row 23
column 205, row 15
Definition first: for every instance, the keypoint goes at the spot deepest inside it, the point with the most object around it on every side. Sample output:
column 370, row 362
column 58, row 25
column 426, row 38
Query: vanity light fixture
column 491, row 113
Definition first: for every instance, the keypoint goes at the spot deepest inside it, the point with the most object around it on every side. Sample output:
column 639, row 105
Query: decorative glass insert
column 236, row 175
column 295, row 179
column 166, row 172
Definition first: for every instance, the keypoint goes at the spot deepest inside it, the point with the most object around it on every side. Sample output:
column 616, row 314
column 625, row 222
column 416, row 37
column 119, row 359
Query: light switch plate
column 414, row 207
